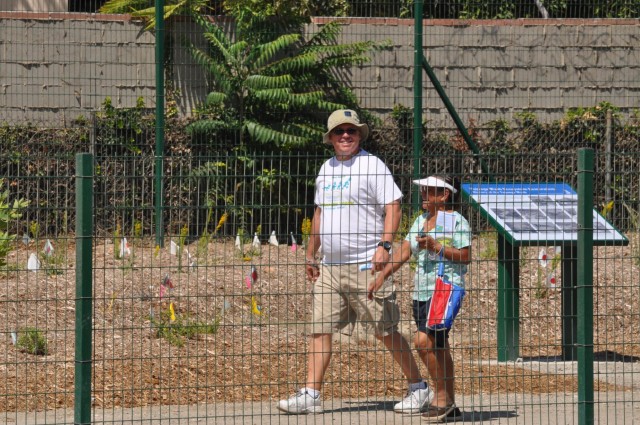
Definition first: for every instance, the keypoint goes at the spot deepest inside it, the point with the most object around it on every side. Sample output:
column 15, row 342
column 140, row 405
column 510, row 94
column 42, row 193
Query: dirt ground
column 258, row 351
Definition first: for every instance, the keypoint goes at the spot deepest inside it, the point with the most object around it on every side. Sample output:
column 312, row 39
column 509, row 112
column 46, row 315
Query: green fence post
column 585, row 287
column 84, row 289
column 508, row 300
column 416, row 201
column 159, row 153
column 569, row 301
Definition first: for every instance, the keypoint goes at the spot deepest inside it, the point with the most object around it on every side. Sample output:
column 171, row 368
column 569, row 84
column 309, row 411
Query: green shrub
column 176, row 331
column 32, row 341
column 8, row 213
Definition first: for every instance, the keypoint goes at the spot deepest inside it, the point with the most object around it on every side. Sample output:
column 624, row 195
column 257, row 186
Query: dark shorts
column 420, row 310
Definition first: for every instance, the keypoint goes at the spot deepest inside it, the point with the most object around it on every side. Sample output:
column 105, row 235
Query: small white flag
column 173, row 248
column 542, row 258
column 14, row 337
column 558, row 250
column 238, row 243
column 552, row 282
column 125, row 249
column 33, row 263
column 191, row 260
column 48, row 248
column 256, row 241
column 273, row 239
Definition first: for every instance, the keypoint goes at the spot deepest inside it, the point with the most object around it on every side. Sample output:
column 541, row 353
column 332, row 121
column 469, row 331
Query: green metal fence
column 237, row 349
column 177, row 333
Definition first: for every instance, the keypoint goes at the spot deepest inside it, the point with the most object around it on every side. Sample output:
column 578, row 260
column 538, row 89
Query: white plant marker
column 48, row 248
column 33, row 263
column 273, row 239
column 125, row 248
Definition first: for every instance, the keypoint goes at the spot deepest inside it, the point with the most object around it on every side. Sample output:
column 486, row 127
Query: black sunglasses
column 341, row 131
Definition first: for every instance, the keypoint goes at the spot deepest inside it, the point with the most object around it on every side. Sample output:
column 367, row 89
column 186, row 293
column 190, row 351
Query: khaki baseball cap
column 345, row 116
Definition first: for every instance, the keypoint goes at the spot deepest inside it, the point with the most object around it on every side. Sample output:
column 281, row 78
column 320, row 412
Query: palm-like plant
column 141, row 9
column 274, row 92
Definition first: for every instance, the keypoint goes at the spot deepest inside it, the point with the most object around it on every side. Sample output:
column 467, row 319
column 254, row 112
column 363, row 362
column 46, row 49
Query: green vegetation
column 9, row 212
column 489, row 245
column 176, row 328
column 273, row 92
column 510, row 9
column 140, row 9
column 182, row 240
column 32, row 341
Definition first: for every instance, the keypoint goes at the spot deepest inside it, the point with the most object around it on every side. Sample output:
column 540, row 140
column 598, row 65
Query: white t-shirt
column 352, row 195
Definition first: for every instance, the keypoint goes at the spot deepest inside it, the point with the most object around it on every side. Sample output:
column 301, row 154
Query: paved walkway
column 547, row 409
column 620, row 408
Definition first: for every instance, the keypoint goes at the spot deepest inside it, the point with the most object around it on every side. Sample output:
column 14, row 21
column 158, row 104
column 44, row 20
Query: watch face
column 386, row 245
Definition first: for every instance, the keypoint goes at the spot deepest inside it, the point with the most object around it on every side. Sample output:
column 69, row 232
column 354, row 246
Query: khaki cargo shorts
column 340, row 299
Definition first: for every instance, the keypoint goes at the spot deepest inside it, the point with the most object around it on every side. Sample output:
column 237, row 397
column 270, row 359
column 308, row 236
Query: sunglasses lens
column 340, row 131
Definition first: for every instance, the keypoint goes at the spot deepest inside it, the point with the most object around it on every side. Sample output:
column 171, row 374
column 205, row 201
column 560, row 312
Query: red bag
column 445, row 302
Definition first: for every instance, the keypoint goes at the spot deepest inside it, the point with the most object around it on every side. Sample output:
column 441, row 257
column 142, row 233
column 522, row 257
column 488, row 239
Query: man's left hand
column 374, row 286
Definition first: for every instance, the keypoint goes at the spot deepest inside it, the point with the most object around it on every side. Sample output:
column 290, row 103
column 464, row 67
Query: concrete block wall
column 493, row 69
column 35, row 5
column 54, row 67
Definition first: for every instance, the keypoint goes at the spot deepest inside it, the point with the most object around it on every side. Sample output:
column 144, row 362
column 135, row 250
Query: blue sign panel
column 537, row 212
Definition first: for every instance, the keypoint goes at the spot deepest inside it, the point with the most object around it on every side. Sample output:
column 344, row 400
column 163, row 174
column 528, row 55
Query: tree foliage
column 513, row 9
column 141, row 9
column 273, row 89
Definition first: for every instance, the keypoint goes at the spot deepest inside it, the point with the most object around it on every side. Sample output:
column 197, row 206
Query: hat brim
column 364, row 132
column 434, row 182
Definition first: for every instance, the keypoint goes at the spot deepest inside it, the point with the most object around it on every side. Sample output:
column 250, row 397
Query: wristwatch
column 385, row 244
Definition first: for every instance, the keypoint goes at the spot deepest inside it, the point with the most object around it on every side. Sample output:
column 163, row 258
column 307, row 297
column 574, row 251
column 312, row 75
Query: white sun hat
column 345, row 116
column 434, row 181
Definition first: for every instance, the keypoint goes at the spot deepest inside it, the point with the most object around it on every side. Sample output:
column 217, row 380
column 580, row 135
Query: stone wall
column 54, row 67
column 492, row 69
column 35, row 5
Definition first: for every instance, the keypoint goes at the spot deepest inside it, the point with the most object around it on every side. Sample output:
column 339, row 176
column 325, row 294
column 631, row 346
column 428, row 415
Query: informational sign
column 537, row 213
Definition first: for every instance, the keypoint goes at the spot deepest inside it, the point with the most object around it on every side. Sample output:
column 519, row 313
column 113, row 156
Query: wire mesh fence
column 183, row 331
column 186, row 324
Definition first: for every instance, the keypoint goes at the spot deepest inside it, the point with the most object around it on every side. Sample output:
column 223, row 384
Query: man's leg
column 307, row 399
column 419, row 395
column 319, row 358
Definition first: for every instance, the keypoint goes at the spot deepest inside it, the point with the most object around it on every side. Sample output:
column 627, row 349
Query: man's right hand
column 312, row 269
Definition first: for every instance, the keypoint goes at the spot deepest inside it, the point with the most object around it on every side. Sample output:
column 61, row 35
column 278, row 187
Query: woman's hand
column 422, row 241
column 432, row 245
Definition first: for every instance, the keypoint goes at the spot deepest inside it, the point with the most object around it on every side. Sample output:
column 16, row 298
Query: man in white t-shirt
column 356, row 217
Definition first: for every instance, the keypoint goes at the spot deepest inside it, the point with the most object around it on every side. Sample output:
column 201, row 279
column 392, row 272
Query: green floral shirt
column 427, row 265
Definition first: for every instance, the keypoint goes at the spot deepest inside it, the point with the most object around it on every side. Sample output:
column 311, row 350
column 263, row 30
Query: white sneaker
column 301, row 403
column 415, row 401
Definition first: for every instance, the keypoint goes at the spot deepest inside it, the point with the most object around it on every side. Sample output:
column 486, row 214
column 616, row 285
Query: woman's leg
column 436, row 355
